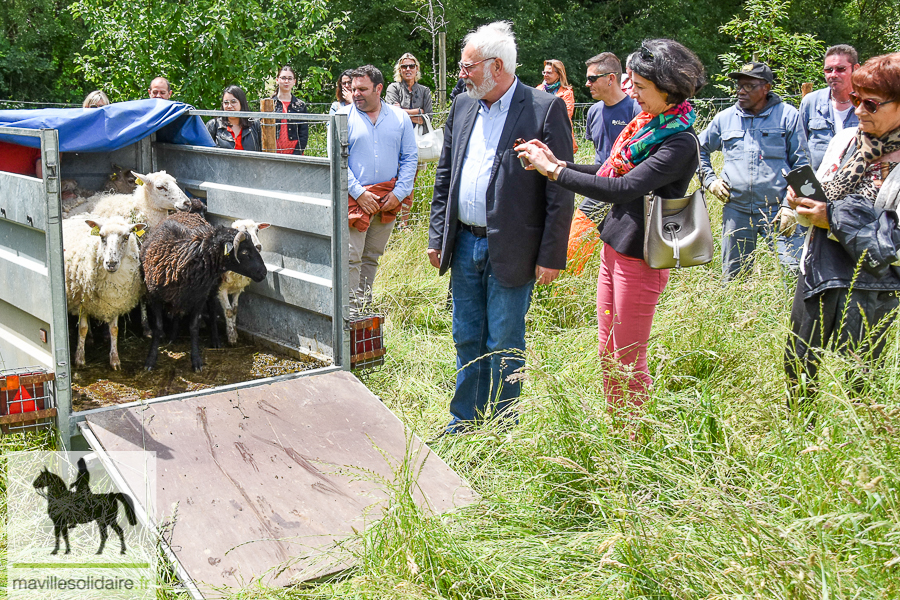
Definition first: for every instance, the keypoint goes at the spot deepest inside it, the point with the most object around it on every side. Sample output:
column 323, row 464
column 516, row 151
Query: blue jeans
column 740, row 229
column 488, row 330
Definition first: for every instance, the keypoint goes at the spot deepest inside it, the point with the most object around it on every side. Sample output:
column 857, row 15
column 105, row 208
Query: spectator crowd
column 503, row 217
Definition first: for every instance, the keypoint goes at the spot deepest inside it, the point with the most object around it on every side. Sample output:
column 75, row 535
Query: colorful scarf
column 552, row 88
column 641, row 137
column 853, row 177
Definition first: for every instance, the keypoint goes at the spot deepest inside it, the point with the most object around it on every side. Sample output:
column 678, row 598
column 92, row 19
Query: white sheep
column 233, row 284
column 155, row 196
column 103, row 278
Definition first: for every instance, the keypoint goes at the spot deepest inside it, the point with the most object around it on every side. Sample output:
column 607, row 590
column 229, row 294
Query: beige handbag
column 430, row 143
column 677, row 232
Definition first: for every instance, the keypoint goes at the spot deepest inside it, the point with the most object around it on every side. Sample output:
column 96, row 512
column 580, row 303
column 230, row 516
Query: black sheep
column 183, row 260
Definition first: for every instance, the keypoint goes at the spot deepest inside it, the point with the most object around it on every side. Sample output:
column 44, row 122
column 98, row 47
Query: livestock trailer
column 287, row 435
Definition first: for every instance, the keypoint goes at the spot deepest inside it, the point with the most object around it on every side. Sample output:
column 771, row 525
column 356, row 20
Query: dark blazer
column 296, row 131
column 528, row 216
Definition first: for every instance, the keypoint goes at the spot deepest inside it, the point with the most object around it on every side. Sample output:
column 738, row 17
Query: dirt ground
column 97, row 385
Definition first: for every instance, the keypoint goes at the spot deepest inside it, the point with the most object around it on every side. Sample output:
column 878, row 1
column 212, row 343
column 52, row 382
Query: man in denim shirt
column 827, row 111
column 760, row 135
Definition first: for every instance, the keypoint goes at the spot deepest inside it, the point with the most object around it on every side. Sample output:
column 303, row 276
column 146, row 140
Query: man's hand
column 786, row 221
column 434, row 256
column 815, row 211
column 720, row 189
column 792, row 199
column 542, row 275
column 368, row 202
column 389, row 202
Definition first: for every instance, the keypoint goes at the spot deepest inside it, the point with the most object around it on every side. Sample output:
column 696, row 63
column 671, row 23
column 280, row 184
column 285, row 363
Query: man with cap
column 759, row 136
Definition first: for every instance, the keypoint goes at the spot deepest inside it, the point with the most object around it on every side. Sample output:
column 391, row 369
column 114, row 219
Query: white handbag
column 429, row 143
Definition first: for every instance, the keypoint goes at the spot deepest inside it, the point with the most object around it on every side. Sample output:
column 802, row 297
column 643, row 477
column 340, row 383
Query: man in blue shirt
column 825, row 112
column 608, row 117
column 759, row 136
column 381, row 168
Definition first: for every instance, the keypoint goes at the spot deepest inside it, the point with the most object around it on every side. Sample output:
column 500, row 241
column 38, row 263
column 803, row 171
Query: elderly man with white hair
column 498, row 228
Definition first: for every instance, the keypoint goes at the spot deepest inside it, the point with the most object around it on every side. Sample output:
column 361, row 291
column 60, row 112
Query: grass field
column 724, row 494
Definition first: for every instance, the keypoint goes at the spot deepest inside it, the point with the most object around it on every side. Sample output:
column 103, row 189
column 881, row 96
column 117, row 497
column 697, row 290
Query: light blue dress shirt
column 478, row 162
column 381, row 151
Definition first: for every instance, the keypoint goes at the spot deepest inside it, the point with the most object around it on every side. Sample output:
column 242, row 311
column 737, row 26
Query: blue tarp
column 110, row 127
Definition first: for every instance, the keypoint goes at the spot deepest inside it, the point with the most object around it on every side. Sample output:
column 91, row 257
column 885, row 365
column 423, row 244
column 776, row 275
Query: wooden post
column 442, row 69
column 268, row 126
column 805, row 88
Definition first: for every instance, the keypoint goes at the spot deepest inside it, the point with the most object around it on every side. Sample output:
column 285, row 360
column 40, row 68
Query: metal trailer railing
column 301, row 306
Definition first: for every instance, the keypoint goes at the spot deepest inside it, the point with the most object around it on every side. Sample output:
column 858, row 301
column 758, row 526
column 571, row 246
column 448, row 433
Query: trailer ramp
column 264, row 482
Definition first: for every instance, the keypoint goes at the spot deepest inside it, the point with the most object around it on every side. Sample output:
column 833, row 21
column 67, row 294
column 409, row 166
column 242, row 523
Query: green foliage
column 761, row 36
column 202, row 46
column 37, row 41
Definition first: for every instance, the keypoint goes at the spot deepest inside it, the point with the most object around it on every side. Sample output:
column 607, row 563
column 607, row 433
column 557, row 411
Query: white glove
column 786, row 221
column 720, row 189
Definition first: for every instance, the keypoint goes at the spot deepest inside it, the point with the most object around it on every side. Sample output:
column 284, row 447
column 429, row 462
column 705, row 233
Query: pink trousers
column 627, row 293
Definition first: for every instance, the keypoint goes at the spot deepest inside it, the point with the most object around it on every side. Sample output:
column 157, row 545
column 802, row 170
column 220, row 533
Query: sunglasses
column 645, row 53
column 835, row 69
column 413, row 66
column 747, row 87
column 594, row 78
column 869, row 105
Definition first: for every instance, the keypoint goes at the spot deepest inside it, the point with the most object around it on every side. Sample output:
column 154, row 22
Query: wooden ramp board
column 267, row 479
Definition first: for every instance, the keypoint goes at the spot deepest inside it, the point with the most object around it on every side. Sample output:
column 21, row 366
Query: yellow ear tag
column 139, row 232
column 95, row 230
column 139, row 181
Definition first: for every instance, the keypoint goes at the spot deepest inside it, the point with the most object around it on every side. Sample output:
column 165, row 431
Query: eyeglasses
column 286, row 78
column 645, row 53
column 594, row 78
column 835, row 69
column 747, row 87
column 412, row 66
column 869, row 105
column 467, row 67
column 231, row 102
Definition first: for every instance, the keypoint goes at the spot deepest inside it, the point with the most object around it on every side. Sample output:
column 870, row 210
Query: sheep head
column 114, row 234
column 243, row 258
column 252, row 228
column 162, row 191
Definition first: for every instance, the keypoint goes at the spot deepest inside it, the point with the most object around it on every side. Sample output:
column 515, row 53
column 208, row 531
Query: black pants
column 849, row 321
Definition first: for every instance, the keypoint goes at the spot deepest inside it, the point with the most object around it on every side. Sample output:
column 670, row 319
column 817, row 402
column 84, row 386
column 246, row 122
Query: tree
column 202, row 46
column 795, row 58
column 37, row 41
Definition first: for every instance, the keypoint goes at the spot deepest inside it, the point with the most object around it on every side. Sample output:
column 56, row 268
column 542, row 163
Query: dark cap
column 756, row 70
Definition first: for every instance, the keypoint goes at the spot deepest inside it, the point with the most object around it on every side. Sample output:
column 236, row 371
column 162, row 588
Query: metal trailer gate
column 323, row 424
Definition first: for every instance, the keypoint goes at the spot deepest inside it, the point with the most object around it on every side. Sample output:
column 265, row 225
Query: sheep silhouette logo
column 70, row 508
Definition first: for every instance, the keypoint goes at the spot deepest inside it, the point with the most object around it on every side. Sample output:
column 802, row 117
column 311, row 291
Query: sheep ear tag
column 228, row 248
column 139, row 181
column 95, row 230
column 139, row 232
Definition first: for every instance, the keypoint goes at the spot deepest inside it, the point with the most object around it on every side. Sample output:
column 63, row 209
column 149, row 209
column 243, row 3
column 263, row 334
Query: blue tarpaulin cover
column 110, row 127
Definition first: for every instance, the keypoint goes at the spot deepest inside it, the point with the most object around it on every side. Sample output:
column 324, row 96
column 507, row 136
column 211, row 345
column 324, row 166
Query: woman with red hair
column 847, row 293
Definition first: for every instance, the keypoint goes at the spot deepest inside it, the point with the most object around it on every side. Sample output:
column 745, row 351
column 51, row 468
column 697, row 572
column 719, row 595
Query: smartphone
column 522, row 160
column 805, row 183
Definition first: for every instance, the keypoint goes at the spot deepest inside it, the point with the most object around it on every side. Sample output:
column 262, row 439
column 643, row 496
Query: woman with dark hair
column 342, row 93
column 657, row 153
column 848, row 289
column 292, row 136
column 235, row 133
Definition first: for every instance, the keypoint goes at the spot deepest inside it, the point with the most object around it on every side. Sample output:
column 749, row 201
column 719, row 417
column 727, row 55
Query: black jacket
column 667, row 172
column 251, row 137
column 528, row 216
column 296, row 131
column 866, row 238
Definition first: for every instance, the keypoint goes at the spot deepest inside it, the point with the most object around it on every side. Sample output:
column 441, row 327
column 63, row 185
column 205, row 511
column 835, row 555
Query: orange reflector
column 11, row 382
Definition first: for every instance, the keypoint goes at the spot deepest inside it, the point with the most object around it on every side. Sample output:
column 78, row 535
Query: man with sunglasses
column 614, row 110
column 759, row 136
column 827, row 111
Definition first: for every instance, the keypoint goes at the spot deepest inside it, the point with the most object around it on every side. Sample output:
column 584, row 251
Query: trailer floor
column 96, row 384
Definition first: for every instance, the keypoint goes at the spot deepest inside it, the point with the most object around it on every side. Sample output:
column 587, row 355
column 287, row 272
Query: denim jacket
column 818, row 123
column 756, row 149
